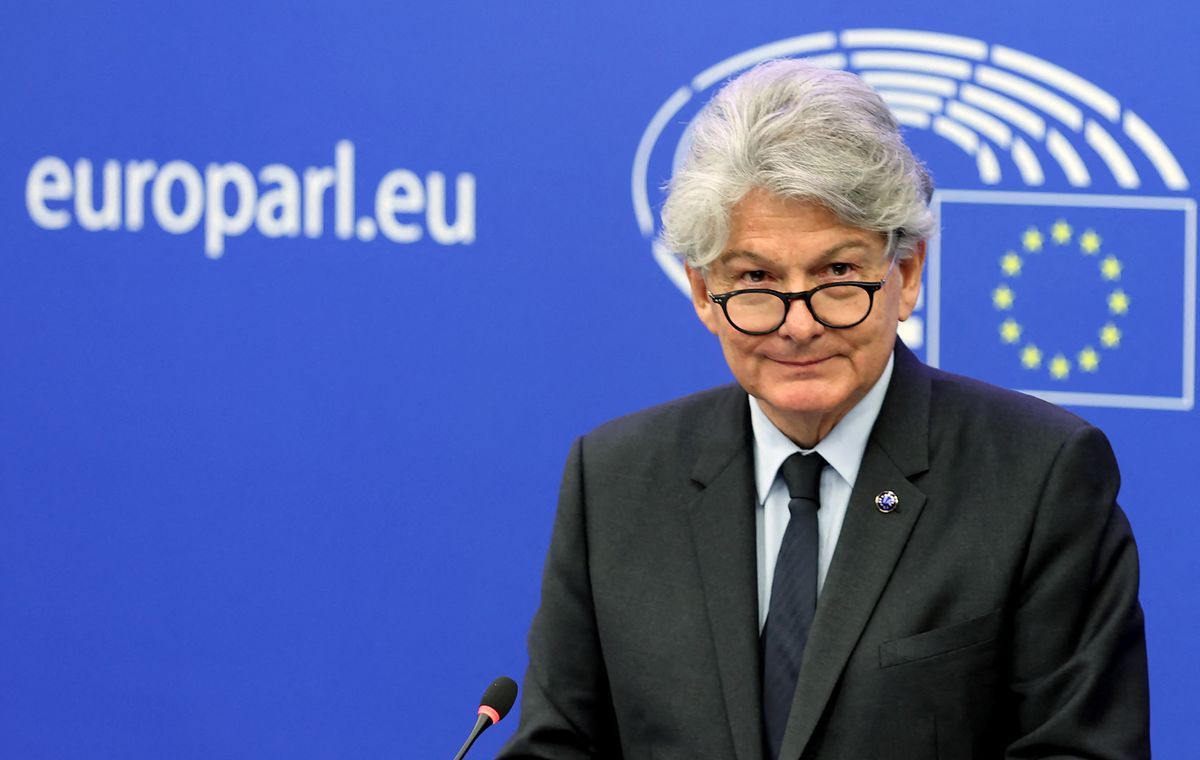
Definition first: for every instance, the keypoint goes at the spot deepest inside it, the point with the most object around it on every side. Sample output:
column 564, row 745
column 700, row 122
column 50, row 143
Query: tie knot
column 803, row 475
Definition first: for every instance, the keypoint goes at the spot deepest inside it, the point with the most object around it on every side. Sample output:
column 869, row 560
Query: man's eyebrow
column 754, row 258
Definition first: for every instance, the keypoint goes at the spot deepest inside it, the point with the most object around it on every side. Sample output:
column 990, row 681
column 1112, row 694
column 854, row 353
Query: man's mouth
column 801, row 362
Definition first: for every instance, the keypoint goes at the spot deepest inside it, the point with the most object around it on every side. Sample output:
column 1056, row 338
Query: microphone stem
column 481, row 723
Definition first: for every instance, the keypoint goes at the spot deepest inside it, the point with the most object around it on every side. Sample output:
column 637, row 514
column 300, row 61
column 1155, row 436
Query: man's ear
column 705, row 308
column 910, row 280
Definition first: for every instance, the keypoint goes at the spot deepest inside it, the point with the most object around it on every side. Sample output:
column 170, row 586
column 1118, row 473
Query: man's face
column 806, row 376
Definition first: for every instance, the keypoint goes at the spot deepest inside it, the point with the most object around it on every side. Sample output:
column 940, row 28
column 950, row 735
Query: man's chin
column 799, row 403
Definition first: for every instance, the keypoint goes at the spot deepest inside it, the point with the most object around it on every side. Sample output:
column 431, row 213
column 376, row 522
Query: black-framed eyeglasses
column 838, row 305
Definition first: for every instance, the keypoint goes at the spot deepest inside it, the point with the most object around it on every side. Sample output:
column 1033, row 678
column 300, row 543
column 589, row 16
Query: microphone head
column 498, row 698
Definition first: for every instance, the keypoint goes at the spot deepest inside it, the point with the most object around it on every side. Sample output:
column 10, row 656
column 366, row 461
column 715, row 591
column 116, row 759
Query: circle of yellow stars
column 1033, row 242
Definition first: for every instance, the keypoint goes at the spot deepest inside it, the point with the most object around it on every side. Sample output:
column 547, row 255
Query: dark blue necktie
column 793, row 597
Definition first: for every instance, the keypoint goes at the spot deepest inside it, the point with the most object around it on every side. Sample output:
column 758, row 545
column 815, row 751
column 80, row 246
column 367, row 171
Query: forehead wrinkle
column 822, row 258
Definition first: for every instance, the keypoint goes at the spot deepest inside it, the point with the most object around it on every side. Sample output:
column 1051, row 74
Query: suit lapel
column 869, row 546
column 723, row 532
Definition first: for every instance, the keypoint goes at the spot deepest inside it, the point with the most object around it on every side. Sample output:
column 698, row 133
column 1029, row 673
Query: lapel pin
column 887, row 501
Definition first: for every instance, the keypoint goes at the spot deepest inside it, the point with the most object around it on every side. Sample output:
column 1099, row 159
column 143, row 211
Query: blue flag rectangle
column 1080, row 299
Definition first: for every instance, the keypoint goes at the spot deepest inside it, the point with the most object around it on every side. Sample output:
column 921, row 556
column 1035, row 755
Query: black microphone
column 495, row 703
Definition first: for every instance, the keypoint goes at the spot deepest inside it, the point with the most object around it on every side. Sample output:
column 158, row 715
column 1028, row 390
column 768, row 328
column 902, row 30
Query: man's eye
column 840, row 269
column 755, row 276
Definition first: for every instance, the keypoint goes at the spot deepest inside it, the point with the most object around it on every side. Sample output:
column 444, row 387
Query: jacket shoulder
column 668, row 434
column 1004, row 416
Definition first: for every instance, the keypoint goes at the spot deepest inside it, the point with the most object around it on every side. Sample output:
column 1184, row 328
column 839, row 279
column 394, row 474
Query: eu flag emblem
column 1078, row 299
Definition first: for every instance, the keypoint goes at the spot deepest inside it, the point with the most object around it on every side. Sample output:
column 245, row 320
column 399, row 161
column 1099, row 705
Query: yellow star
column 1110, row 268
column 1089, row 242
column 1010, row 331
column 1003, row 297
column 1118, row 302
column 1061, row 232
column 1060, row 367
column 1089, row 360
column 1032, row 239
column 1031, row 357
column 1010, row 264
column 1110, row 335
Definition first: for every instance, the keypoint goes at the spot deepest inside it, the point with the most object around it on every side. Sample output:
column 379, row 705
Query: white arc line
column 956, row 133
column 806, row 43
column 641, row 159
column 1027, row 163
column 915, row 100
column 682, row 147
column 1068, row 159
column 918, row 119
column 1013, row 112
column 1031, row 93
column 964, row 47
column 827, row 61
column 1069, row 82
column 963, row 137
column 994, row 129
column 903, row 81
column 1118, row 163
column 1157, row 151
column 670, row 263
column 989, row 167
column 936, row 64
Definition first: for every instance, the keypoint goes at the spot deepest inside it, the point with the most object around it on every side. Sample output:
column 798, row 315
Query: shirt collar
column 842, row 449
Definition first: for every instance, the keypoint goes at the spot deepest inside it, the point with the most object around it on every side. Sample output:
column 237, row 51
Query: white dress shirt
column 843, row 451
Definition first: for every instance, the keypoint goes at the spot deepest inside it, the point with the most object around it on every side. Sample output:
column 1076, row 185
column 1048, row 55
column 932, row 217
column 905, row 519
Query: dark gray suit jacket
column 993, row 615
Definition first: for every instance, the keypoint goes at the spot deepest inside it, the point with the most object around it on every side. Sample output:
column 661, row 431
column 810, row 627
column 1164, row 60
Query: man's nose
column 800, row 324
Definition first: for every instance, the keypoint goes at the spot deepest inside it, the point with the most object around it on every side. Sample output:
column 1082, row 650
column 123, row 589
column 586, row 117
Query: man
column 848, row 554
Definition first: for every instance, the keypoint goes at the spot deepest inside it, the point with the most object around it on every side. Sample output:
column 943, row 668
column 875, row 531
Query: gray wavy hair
column 803, row 132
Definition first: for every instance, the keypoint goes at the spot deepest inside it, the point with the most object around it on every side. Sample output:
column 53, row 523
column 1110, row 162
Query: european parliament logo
column 1038, row 281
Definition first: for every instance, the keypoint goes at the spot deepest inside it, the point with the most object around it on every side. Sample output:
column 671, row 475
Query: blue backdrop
column 301, row 306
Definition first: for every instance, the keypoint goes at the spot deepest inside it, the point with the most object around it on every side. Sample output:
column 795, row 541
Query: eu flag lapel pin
column 887, row 502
